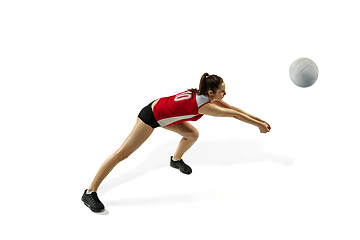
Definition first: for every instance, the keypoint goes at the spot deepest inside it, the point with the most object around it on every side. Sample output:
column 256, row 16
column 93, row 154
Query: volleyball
column 303, row 72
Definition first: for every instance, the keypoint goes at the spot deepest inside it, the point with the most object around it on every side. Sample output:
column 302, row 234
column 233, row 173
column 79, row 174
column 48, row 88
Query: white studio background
column 75, row 74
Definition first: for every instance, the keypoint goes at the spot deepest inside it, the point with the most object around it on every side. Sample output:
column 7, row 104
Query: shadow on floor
column 202, row 153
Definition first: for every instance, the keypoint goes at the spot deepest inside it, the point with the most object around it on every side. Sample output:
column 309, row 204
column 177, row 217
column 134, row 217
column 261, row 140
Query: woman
column 173, row 113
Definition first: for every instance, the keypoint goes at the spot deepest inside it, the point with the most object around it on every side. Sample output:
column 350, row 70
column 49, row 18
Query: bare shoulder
column 206, row 107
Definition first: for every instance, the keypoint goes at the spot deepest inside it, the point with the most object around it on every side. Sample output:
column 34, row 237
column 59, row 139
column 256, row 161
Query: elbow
column 236, row 115
column 240, row 116
column 227, row 113
column 232, row 113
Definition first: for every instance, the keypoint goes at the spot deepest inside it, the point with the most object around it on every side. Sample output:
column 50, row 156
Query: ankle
column 176, row 159
column 92, row 189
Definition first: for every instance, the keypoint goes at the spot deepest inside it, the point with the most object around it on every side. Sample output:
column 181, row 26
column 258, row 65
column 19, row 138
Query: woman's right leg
column 137, row 137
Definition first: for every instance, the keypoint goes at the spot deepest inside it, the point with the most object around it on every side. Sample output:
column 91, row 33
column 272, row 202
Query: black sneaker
column 180, row 165
column 93, row 202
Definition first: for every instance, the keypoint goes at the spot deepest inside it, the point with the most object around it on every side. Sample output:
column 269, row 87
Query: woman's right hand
column 264, row 128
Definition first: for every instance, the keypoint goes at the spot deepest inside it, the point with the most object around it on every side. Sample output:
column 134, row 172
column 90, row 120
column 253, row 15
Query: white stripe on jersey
column 167, row 121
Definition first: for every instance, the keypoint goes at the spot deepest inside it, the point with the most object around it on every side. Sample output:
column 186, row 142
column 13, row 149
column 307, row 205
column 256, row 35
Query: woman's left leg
column 190, row 135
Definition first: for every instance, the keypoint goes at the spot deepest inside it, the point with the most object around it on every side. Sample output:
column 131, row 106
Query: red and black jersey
column 179, row 108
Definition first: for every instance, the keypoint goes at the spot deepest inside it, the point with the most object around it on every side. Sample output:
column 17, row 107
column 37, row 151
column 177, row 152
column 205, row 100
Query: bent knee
column 192, row 136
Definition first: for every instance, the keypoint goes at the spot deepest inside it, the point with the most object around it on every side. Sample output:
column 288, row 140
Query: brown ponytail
column 207, row 83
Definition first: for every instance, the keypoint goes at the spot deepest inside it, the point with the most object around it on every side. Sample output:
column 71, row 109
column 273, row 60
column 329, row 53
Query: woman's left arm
column 223, row 104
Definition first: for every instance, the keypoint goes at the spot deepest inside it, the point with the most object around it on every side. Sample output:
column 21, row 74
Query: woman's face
column 220, row 93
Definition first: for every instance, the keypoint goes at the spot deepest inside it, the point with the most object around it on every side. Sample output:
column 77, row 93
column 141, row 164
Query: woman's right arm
column 216, row 111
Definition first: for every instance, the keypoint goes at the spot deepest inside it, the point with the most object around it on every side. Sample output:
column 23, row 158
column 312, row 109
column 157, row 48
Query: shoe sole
column 180, row 170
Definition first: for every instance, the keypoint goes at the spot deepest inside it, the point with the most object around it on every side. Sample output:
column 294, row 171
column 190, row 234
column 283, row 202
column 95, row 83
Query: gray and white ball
column 304, row 72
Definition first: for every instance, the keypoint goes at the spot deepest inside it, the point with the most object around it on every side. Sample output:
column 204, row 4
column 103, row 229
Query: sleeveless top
column 179, row 108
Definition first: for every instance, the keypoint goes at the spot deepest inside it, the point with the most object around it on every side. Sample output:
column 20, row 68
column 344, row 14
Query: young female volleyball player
column 173, row 113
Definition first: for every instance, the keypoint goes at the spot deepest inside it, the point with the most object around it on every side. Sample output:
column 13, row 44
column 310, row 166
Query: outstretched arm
column 216, row 111
column 226, row 105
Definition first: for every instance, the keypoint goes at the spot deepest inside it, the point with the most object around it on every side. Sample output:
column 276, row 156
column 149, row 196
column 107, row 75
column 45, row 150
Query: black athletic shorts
column 147, row 116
